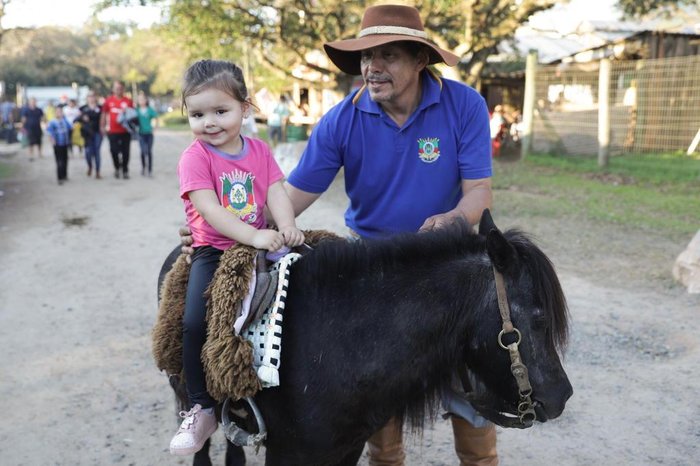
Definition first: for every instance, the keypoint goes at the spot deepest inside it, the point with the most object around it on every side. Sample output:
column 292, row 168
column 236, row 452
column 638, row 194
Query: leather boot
column 475, row 446
column 386, row 445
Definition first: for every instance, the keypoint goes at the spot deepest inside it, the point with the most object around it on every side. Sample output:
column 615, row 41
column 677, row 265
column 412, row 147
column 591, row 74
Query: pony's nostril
column 540, row 412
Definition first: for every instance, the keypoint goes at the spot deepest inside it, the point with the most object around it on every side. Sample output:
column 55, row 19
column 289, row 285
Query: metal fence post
column 604, row 113
column 529, row 102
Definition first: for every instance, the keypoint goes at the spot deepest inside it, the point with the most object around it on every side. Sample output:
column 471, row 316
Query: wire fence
column 654, row 106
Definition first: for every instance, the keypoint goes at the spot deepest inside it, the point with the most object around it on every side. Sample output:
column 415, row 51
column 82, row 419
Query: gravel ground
column 77, row 303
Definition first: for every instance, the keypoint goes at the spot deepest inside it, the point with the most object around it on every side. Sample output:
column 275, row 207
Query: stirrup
column 236, row 434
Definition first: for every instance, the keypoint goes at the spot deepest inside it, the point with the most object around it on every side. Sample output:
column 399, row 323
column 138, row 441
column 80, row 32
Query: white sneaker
column 197, row 426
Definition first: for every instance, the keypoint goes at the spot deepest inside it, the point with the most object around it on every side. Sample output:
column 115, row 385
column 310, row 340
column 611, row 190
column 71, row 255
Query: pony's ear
column 486, row 223
column 501, row 252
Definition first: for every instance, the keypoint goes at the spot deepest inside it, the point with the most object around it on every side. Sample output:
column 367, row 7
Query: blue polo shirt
column 396, row 177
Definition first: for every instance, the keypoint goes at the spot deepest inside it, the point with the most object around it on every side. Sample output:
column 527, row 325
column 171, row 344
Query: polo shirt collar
column 431, row 84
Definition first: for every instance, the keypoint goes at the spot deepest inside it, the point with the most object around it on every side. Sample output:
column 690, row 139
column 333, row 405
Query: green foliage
column 6, row 170
column 639, row 8
column 174, row 120
column 93, row 56
column 646, row 191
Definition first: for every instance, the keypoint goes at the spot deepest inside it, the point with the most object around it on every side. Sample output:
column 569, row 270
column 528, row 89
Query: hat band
column 370, row 31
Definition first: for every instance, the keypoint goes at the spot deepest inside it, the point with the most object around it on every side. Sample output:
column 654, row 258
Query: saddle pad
column 266, row 334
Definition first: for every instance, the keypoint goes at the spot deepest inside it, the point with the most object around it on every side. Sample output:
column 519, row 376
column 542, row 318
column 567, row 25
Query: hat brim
column 345, row 54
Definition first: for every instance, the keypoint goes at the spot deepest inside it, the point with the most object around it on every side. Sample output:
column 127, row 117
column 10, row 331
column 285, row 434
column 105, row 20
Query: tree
column 282, row 34
column 44, row 56
column 639, row 8
column 3, row 5
column 472, row 29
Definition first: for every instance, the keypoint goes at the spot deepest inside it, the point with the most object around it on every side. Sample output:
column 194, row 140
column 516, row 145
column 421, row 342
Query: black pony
column 375, row 329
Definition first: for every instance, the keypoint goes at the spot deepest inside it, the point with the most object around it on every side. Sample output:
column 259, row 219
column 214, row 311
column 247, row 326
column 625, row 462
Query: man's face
column 391, row 73
column 118, row 89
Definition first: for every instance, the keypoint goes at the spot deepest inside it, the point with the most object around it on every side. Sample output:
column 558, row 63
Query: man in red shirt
column 119, row 137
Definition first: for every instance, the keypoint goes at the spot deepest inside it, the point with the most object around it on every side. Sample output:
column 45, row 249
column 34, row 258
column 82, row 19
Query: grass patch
column 649, row 191
column 6, row 170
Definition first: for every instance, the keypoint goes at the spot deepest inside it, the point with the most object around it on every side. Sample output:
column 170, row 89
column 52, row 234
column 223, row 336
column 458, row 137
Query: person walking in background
column 277, row 120
column 226, row 182
column 59, row 131
column 32, row 117
column 147, row 115
column 7, row 121
column 49, row 111
column 72, row 113
column 119, row 137
column 90, row 118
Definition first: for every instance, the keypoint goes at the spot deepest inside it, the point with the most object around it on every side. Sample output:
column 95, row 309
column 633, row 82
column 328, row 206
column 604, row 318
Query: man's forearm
column 301, row 200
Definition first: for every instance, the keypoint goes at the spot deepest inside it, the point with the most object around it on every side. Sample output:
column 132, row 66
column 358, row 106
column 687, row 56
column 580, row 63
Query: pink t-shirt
column 240, row 182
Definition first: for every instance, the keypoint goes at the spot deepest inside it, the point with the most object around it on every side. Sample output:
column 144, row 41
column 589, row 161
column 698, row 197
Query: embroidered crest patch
column 429, row 149
column 238, row 196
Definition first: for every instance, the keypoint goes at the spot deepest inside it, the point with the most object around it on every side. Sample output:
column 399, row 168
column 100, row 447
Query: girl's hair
column 218, row 74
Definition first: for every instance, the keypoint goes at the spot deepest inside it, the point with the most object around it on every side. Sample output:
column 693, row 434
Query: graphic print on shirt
column 237, row 195
column 429, row 149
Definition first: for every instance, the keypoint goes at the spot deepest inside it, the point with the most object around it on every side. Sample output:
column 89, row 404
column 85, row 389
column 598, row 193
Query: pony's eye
column 539, row 319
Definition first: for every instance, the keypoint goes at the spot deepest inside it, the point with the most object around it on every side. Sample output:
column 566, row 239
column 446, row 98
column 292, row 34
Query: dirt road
column 78, row 273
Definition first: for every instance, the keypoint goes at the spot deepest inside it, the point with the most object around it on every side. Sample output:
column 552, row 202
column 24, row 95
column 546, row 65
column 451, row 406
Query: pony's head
column 532, row 299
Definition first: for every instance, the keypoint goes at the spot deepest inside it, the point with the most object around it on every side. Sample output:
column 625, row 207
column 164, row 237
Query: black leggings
column 120, row 143
column 194, row 332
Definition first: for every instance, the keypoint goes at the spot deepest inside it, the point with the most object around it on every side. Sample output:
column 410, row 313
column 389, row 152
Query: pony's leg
column 235, row 455
column 201, row 458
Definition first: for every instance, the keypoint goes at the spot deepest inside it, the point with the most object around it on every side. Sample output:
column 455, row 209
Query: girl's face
column 215, row 118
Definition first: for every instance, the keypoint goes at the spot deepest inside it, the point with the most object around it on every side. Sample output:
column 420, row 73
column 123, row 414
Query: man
column 32, row 117
column 416, row 155
column 119, row 136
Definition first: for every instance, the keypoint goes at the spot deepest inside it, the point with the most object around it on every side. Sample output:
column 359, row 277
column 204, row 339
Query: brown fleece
column 227, row 357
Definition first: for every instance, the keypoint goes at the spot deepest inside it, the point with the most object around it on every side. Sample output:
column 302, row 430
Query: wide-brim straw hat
column 381, row 25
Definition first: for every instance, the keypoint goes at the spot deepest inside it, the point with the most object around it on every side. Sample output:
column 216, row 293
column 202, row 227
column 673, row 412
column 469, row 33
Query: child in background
column 226, row 180
column 59, row 131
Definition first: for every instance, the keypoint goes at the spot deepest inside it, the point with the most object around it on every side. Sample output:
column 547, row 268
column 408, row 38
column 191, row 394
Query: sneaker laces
column 189, row 417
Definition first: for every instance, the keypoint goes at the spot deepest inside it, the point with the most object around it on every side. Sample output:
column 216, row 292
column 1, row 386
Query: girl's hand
column 292, row 236
column 268, row 239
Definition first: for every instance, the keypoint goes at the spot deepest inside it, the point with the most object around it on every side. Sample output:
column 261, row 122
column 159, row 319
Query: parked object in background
column 687, row 267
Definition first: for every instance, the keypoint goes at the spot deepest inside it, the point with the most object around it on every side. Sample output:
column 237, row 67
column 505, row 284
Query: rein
column 526, row 410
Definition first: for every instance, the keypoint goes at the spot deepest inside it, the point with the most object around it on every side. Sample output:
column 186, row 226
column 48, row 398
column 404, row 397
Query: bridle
column 526, row 411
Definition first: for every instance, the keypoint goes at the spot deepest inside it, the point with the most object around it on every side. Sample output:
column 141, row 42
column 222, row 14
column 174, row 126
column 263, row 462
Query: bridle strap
column 503, row 306
column 526, row 411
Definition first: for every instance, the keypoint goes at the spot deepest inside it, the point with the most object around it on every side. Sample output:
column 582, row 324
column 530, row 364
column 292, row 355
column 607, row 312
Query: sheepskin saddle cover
column 227, row 357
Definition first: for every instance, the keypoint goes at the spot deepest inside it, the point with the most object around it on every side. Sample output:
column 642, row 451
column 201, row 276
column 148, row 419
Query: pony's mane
column 350, row 258
column 546, row 284
column 341, row 260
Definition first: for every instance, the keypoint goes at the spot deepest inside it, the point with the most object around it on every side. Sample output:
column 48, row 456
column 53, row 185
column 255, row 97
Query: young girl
column 225, row 182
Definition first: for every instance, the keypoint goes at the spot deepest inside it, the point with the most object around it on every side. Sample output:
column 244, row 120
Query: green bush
column 174, row 119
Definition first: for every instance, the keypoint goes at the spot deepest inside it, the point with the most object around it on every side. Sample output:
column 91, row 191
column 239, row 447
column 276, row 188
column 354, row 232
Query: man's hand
column 292, row 236
column 186, row 241
column 437, row 221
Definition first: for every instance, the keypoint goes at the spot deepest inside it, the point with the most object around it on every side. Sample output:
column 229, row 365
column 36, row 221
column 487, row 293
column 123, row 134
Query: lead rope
column 526, row 411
